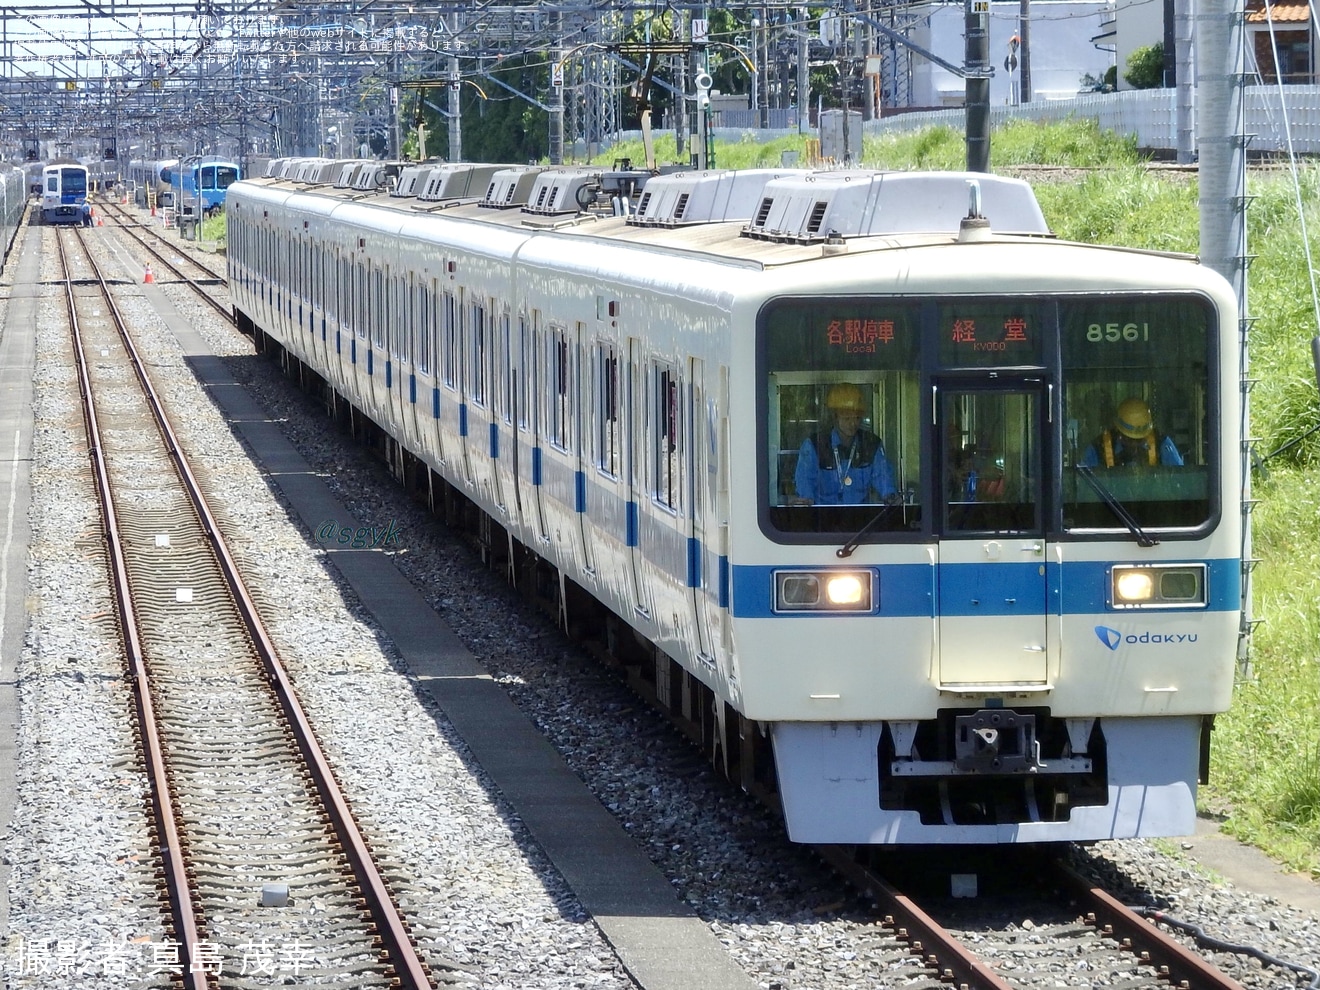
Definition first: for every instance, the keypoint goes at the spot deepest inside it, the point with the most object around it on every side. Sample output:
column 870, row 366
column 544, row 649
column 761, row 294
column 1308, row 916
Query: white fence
column 1151, row 115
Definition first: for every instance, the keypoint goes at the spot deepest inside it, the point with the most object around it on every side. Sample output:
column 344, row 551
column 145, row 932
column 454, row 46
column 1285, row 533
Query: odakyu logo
column 1114, row 638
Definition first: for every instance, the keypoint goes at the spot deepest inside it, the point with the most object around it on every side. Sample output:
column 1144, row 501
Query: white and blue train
column 201, row 184
column 63, row 191
column 1009, row 640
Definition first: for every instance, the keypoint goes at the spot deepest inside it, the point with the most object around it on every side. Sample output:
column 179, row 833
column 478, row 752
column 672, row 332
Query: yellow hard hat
column 1133, row 418
column 845, row 396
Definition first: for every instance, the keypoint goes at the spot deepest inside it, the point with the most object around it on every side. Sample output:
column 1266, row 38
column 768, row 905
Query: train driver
column 1132, row 440
column 847, row 465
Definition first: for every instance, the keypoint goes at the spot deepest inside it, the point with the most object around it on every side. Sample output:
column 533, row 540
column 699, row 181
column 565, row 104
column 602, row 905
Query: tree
column 1145, row 67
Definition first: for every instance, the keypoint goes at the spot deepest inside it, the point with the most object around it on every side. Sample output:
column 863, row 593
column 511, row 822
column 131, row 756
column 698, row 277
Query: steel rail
column 943, row 953
column 187, row 924
column 1136, row 934
column 214, row 303
column 398, row 948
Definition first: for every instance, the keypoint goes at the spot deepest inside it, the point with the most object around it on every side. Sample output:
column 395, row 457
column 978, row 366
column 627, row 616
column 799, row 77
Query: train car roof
column 799, row 215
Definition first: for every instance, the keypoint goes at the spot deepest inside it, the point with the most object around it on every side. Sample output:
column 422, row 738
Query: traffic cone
column 100, row 221
column 148, row 277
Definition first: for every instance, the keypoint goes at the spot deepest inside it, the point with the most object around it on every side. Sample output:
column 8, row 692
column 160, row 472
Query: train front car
column 932, row 525
column 63, row 192
column 1005, row 608
column 213, row 177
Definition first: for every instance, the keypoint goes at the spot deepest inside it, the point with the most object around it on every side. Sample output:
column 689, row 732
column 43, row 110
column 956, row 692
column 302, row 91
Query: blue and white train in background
column 201, row 184
column 195, row 184
column 64, row 188
column 622, row 396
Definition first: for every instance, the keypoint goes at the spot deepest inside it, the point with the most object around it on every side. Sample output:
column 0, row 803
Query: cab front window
column 1137, row 434
column 841, row 407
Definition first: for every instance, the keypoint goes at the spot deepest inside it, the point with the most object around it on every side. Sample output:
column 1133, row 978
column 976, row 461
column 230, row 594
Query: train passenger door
column 992, row 584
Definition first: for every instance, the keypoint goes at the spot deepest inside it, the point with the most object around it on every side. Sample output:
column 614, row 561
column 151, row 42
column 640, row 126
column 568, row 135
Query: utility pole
column 1024, row 36
column 762, row 70
column 803, row 74
column 977, row 82
column 455, row 104
column 557, row 98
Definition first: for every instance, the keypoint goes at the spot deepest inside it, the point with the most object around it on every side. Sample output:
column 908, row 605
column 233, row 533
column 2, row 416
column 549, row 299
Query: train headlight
column 823, row 591
column 1158, row 586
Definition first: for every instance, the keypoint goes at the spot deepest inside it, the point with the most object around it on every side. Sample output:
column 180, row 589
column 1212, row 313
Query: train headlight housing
column 1158, row 586
column 824, row 591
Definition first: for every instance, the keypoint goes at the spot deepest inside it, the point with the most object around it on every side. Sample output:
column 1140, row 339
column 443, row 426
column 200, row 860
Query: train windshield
column 960, row 417
column 1137, row 429
column 73, row 181
column 219, row 176
column 842, row 409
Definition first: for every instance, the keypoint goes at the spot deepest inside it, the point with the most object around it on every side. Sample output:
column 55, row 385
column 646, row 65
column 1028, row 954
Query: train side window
column 378, row 307
column 609, row 456
column 523, row 389
column 362, row 299
column 506, row 367
column 561, row 390
column 342, row 291
column 666, row 435
column 400, row 328
column 450, row 366
column 421, row 326
column 478, row 374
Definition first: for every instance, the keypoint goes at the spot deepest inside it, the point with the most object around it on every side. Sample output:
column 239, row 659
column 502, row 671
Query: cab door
column 992, row 584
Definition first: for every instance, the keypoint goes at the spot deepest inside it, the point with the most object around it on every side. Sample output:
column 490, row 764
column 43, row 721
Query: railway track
column 263, row 865
column 1065, row 924
column 185, row 267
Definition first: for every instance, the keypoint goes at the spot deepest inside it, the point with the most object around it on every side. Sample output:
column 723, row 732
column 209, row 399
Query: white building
column 1063, row 53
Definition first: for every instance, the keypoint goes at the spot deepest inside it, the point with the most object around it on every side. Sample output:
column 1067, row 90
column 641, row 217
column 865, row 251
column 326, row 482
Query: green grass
column 214, row 228
column 1265, row 756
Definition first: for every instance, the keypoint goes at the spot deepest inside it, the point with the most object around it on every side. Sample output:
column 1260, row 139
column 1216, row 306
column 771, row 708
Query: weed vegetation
column 1265, row 755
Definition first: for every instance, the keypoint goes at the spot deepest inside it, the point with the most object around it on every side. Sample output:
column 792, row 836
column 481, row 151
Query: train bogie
column 833, row 447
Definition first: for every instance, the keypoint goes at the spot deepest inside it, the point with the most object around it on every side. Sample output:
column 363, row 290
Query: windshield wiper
column 847, row 549
column 1116, row 507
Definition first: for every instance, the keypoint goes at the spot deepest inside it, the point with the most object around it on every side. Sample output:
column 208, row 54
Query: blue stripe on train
column 1074, row 588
